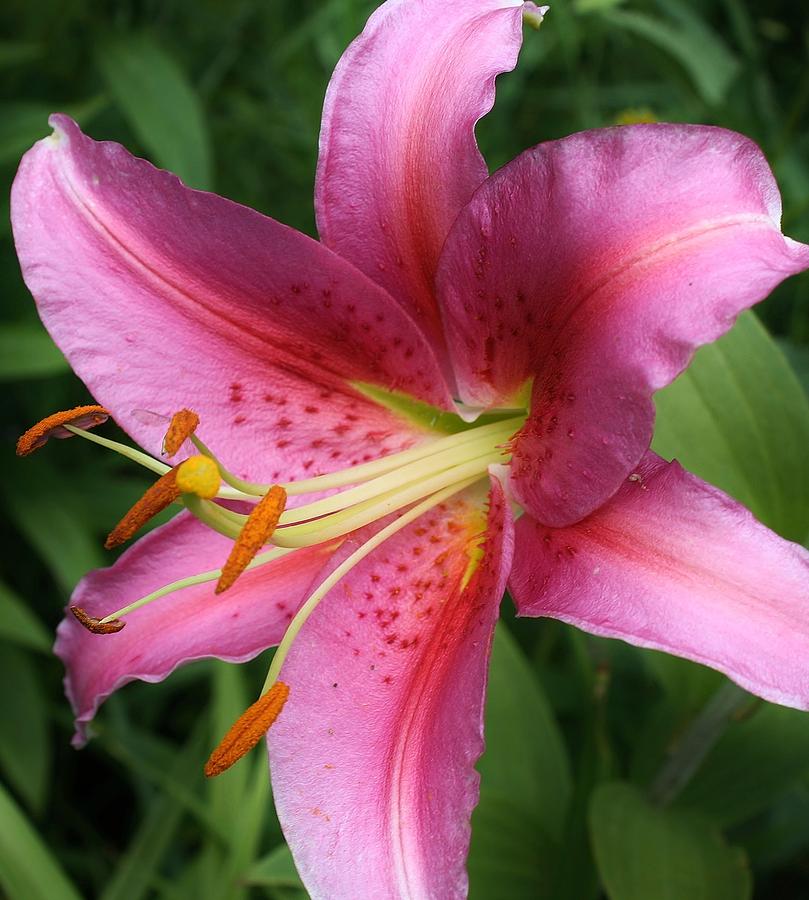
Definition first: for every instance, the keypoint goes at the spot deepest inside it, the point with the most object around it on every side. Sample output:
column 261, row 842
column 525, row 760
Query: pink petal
column 398, row 156
column 188, row 625
column 162, row 298
column 372, row 758
column 595, row 265
column 673, row 563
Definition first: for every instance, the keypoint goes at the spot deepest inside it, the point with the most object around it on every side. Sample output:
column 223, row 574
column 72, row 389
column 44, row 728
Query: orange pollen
column 160, row 495
column 183, row 425
column 81, row 416
column 257, row 530
column 96, row 626
column 248, row 729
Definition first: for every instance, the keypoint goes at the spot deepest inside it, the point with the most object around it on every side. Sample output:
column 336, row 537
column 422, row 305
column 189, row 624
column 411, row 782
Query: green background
column 586, row 787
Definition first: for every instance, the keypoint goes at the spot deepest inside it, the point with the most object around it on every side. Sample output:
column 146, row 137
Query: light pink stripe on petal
column 188, row 625
column 595, row 265
column 673, row 563
column 372, row 758
column 398, row 156
column 163, row 297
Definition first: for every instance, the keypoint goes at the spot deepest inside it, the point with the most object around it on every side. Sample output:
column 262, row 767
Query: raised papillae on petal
column 164, row 298
column 373, row 757
column 593, row 266
column 398, row 156
column 37, row 436
column 674, row 564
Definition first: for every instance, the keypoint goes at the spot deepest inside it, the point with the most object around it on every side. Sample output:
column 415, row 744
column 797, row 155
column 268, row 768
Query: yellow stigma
column 199, row 475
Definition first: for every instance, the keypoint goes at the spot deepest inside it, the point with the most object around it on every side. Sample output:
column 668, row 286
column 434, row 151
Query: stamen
column 53, row 426
column 97, row 626
column 248, row 729
column 142, row 459
column 160, row 495
column 199, row 475
column 191, row 581
column 183, row 425
column 257, row 530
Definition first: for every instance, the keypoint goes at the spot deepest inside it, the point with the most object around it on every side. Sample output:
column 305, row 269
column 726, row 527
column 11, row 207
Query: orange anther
column 183, row 425
column 91, row 623
column 248, row 729
column 257, row 530
column 81, row 416
column 160, row 495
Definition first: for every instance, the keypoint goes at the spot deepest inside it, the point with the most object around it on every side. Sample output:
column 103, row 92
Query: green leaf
column 277, row 869
column 25, row 746
column 525, row 761
column 239, row 798
column 160, row 105
column 149, row 759
column 739, row 419
column 798, row 356
column 139, row 867
column 687, row 685
column 510, row 856
column 644, row 852
column 39, row 503
column 19, row 625
column 28, row 870
column 705, row 57
column 27, row 351
column 13, row 53
column 754, row 763
column 782, row 833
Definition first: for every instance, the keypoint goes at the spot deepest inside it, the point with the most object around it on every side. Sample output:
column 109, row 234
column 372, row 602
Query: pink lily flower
column 553, row 298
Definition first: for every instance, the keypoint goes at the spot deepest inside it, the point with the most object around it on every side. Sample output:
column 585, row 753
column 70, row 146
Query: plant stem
column 690, row 750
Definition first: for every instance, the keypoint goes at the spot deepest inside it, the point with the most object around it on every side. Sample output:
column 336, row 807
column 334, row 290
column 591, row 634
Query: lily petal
column 673, row 563
column 190, row 624
column 595, row 265
column 398, row 156
column 372, row 759
column 164, row 298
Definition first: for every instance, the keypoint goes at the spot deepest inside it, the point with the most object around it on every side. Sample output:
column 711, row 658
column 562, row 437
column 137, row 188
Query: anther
column 81, row 416
column 183, row 425
column 160, row 495
column 255, row 533
column 96, row 626
column 248, row 729
column 199, row 475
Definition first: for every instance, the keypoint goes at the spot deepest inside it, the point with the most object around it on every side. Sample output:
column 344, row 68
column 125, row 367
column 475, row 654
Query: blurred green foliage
column 228, row 94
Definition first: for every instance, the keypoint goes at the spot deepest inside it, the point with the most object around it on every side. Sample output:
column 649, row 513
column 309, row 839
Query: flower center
column 409, row 483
